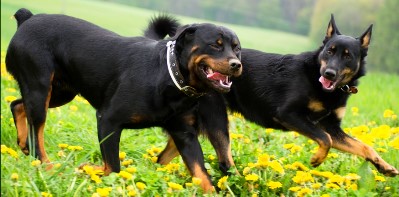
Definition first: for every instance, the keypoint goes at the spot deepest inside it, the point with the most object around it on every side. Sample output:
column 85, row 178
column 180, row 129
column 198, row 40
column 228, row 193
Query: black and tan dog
column 132, row 82
column 306, row 93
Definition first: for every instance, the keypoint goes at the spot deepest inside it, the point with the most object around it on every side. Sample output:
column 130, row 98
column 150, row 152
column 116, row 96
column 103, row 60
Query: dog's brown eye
column 329, row 52
column 347, row 56
column 216, row 47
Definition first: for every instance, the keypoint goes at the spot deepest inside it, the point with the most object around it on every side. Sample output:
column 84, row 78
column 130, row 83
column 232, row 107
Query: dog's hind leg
column 169, row 153
column 19, row 115
column 36, row 102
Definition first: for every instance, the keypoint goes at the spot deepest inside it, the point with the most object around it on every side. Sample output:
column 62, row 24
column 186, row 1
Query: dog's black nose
column 330, row 73
column 235, row 64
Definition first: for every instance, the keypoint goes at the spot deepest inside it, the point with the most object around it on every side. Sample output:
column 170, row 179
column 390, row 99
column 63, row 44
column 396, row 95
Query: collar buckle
column 350, row 90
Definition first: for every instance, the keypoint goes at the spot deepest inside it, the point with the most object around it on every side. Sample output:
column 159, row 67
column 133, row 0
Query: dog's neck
column 175, row 74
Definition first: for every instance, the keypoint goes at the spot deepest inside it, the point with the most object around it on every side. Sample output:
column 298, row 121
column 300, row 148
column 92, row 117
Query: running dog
column 132, row 82
column 306, row 93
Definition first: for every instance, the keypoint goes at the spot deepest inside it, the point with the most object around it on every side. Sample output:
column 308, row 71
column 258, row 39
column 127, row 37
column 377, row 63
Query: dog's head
column 209, row 55
column 341, row 57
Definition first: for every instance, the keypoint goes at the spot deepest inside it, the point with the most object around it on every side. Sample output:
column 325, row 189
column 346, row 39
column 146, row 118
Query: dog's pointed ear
column 366, row 37
column 332, row 28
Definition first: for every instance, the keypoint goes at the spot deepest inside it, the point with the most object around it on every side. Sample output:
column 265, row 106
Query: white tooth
column 210, row 71
column 227, row 79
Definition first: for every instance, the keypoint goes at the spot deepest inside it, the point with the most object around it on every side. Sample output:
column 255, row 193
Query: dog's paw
column 391, row 171
column 316, row 161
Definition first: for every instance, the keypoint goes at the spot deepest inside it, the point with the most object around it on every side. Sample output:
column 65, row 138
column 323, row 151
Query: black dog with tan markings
column 306, row 93
column 132, row 82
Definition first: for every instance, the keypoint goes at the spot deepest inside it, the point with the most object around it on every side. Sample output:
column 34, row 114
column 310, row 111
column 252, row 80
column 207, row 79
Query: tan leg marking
column 322, row 153
column 358, row 148
column 22, row 129
column 206, row 184
column 169, row 153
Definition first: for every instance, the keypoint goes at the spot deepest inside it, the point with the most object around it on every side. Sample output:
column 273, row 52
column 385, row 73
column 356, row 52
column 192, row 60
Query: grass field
column 265, row 158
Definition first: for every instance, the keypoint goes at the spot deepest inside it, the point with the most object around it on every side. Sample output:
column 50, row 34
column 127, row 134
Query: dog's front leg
column 214, row 123
column 185, row 138
column 109, row 136
column 344, row 142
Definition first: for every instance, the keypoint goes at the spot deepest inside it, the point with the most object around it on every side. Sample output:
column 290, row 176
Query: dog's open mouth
column 218, row 79
column 327, row 84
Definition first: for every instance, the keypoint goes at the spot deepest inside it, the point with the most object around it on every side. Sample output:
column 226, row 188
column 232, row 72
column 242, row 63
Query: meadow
column 271, row 162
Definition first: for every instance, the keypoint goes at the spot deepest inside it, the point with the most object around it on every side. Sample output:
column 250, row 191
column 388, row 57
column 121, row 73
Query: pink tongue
column 216, row 76
column 325, row 82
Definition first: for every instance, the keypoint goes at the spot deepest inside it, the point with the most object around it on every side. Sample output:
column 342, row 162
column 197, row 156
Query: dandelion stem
column 230, row 191
column 79, row 188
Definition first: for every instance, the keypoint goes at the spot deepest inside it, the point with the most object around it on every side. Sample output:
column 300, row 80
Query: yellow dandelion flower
column 352, row 187
column 316, row 185
column 252, row 177
column 274, row 184
column 140, row 185
column 269, row 130
column 387, row 188
column 325, row 195
column 127, row 162
column 394, row 117
column 379, row 178
column 4, row 148
column 247, row 141
column 125, row 175
column 388, row 113
column 122, row 156
column 263, row 160
column 75, row 148
column 57, row 165
column 211, row 157
column 294, row 189
column 14, row 176
column 236, row 136
column 299, row 165
column 62, row 146
column 332, row 155
column 246, row 170
column 304, row 191
column 172, row 167
column 46, row 194
column 104, row 191
column 352, row 176
column 175, row 186
column 11, row 90
column 132, row 193
column 302, row 177
column 10, row 98
column 222, row 183
column 196, row 181
column 394, row 143
column 189, row 184
column 131, row 169
column 336, row 179
column 276, row 166
column 381, row 150
column 332, row 186
column 12, row 152
column 95, row 178
column 35, row 163
column 154, row 159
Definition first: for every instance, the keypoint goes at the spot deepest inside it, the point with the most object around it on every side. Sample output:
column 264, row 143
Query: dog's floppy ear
column 332, row 28
column 186, row 30
column 366, row 37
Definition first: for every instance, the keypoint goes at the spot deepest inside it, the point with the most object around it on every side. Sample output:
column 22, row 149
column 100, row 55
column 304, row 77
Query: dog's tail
column 22, row 15
column 160, row 26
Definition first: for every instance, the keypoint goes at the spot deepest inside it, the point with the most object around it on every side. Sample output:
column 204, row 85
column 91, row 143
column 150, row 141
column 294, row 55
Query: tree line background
column 305, row 17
